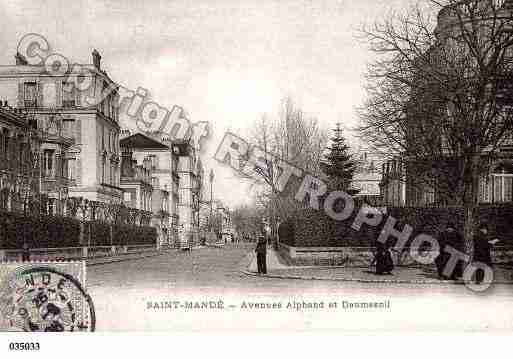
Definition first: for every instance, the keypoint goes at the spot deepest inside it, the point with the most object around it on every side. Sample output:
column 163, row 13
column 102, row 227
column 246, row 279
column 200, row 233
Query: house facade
column 367, row 178
column 80, row 146
column 190, row 173
column 19, row 159
column 162, row 195
column 416, row 184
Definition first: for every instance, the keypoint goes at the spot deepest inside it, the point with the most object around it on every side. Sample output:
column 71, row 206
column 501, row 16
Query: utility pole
column 211, row 178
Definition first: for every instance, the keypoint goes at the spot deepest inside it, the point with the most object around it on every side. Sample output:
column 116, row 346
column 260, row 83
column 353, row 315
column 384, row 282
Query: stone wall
column 362, row 256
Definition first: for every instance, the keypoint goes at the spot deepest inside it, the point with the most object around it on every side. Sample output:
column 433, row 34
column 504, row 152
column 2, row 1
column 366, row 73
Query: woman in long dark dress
column 384, row 262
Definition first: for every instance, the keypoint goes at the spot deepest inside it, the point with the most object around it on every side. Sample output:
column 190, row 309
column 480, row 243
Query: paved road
column 124, row 291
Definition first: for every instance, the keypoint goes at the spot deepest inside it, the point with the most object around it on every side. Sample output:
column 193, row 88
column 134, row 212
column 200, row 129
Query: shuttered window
column 30, row 94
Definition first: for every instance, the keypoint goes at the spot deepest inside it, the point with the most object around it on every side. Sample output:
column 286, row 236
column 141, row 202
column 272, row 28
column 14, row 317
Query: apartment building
column 80, row 144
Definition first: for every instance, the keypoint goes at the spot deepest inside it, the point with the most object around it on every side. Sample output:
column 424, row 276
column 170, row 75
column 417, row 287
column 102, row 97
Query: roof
column 139, row 140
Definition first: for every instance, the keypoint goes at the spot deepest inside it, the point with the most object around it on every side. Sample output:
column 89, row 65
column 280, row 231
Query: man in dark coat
column 482, row 250
column 261, row 251
column 449, row 237
column 25, row 256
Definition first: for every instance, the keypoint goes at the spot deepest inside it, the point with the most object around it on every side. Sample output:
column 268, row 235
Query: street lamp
column 211, row 178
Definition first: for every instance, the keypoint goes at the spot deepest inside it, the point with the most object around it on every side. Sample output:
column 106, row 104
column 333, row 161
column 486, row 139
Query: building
column 393, row 184
column 142, row 191
column 162, row 196
column 405, row 183
column 367, row 179
column 225, row 229
column 19, row 160
column 80, row 146
column 190, row 173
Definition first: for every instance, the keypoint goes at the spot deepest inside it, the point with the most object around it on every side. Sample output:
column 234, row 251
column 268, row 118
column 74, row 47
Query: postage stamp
column 45, row 296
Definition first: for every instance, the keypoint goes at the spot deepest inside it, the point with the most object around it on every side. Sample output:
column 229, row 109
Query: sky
column 224, row 61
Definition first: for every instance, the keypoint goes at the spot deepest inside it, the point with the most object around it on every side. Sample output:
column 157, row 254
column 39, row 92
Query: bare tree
column 294, row 138
column 247, row 220
column 437, row 95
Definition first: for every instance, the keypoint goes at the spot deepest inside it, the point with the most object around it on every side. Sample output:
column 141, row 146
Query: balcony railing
column 59, row 136
column 30, row 103
column 55, row 183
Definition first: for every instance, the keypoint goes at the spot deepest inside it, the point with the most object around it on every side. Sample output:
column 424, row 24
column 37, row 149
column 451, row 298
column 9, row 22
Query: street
column 132, row 295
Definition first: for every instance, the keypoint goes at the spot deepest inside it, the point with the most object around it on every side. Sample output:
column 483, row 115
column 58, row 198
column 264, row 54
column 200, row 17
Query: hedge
column 313, row 228
column 42, row 232
column 499, row 219
column 134, row 235
column 53, row 231
column 100, row 233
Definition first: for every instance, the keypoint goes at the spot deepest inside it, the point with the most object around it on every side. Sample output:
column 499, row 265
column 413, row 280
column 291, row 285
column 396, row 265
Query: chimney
column 20, row 59
column 96, row 59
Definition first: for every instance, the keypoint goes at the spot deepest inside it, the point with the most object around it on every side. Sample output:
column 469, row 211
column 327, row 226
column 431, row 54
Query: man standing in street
column 261, row 251
column 25, row 256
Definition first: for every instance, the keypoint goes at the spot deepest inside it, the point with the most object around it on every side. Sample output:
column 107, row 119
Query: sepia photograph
column 271, row 166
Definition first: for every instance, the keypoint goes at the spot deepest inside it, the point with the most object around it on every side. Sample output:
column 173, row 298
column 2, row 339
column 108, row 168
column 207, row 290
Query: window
column 48, row 163
column 68, row 127
column 6, row 144
column 72, row 169
column 30, row 94
column 507, row 188
column 68, row 94
column 103, row 170
column 22, row 160
column 105, row 103
column 52, row 207
column 102, row 134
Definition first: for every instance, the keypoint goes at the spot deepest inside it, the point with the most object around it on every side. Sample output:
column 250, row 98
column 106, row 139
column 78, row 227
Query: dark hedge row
column 43, row 232
column 499, row 219
column 311, row 228
column 51, row 232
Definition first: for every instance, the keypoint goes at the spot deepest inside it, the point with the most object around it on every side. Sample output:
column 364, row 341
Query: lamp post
column 211, row 178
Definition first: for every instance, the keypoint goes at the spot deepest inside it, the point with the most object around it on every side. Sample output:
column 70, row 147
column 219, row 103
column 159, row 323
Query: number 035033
column 32, row 346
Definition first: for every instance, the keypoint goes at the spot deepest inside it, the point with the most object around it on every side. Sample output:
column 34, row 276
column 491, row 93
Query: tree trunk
column 470, row 202
column 468, row 227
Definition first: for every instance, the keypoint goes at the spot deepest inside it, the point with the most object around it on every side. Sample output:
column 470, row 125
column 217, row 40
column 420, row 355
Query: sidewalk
column 411, row 275
column 125, row 257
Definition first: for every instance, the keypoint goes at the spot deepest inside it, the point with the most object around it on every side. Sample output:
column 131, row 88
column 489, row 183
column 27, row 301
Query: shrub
column 134, row 235
column 42, row 232
column 53, row 231
column 286, row 233
column 312, row 228
column 100, row 233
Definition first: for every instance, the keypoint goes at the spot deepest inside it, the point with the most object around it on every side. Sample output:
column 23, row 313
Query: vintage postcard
column 272, row 165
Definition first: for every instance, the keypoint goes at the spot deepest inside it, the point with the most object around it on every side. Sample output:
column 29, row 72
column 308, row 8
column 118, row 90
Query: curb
column 247, row 272
column 121, row 259
column 361, row 280
column 358, row 280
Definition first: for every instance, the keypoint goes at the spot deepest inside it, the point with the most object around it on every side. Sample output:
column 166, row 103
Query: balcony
column 55, row 183
column 30, row 103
